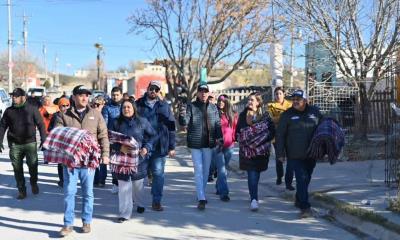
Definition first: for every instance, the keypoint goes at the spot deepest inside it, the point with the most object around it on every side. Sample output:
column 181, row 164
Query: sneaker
column 35, row 189
column 65, row 231
column 21, row 195
column 86, row 228
column 140, row 209
column 290, row 188
column 278, row 181
column 225, row 198
column 202, row 205
column 114, row 189
column 157, row 207
column 254, row 205
column 305, row 213
column 210, row 179
column 121, row 220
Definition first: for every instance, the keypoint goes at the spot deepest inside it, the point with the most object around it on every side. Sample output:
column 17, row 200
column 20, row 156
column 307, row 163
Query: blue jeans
column 253, row 177
column 303, row 170
column 71, row 177
column 157, row 165
column 100, row 174
column 222, row 160
column 201, row 162
column 289, row 175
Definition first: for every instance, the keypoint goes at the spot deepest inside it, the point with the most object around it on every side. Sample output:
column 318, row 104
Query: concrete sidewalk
column 41, row 216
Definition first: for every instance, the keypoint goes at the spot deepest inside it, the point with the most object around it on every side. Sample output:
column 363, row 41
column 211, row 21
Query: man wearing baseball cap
column 81, row 116
column 159, row 114
column 203, row 134
column 294, row 133
column 21, row 120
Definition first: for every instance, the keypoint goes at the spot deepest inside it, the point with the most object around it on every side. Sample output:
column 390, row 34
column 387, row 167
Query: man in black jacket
column 295, row 131
column 21, row 120
column 203, row 134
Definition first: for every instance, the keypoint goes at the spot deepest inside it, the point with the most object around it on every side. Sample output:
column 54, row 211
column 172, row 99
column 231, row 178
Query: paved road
column 41, row 216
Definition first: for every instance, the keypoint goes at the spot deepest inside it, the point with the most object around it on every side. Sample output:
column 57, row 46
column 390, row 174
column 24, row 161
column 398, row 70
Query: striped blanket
column 72, row 147
column 125, row 163
column 328, row 139
column 253, row 139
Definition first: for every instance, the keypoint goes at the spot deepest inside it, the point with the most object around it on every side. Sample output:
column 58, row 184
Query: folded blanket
column 253, row 139
column 72, row 147
column 328, row 139
column 125, row 163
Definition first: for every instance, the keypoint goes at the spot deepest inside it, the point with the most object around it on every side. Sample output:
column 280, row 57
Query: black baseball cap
column 18, row 92
column 81, row 89
column 203, row 87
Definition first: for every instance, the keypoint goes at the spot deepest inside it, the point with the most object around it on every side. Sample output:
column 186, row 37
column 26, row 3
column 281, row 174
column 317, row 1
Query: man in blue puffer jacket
column 161, row 118
column 110, row 112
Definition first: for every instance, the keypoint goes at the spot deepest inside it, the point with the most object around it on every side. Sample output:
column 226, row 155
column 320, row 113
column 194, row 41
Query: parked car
column 5, row 100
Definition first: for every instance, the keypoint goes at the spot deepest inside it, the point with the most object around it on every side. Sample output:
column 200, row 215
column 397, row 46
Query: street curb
column 362, row 225
column 335, row 211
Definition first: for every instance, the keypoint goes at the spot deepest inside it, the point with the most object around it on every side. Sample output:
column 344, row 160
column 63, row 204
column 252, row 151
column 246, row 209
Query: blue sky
column 69, row 28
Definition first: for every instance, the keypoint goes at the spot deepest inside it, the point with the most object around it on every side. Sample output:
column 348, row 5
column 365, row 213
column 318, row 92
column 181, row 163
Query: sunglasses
column 155, row 89
column 64, row 105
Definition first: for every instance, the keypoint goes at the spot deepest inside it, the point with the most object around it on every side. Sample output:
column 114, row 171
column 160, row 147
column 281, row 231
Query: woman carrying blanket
column 131, row 183
column 254, row 132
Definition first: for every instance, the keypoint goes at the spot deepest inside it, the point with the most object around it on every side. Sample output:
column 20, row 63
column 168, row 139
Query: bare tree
column 362, row 37
column 202, row 33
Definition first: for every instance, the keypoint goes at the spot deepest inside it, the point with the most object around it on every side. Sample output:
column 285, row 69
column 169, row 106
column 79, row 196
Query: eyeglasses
column 97, row 105
column 155, row 89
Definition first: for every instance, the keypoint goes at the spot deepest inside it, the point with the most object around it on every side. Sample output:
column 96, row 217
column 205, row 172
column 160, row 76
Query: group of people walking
column 137, row 136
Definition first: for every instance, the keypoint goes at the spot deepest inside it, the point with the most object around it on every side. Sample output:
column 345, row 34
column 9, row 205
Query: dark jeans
column 17, row 154
column 288, row 175
column 60, row 170
column 303, row 170
column 100, row 174
column 157, row 166
column 279, row 171
column 253, row 177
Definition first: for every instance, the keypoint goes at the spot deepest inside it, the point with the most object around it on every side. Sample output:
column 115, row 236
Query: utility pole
column 25, row 37
column 10, row 42
column 44, row 51
column 56, row 75
column 291, row 53
column 99, row 48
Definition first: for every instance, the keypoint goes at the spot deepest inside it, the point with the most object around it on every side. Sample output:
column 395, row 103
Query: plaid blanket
column 72, row 147
column 328, row 139
column 253, row 139
column 125, row 163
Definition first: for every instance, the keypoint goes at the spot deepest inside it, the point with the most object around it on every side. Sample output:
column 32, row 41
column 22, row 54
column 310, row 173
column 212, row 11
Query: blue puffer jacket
column 140, row 129
column 163, row 121
column 111, row 112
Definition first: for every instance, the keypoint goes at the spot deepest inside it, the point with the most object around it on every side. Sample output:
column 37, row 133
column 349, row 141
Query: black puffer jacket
column 21, row 123
column 201, row 133
column 295, row 131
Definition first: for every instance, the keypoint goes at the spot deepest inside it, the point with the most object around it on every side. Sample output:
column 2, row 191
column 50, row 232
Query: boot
column 21, row 194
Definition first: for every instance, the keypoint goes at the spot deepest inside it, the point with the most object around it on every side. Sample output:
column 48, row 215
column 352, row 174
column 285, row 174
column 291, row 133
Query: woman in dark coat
column 131, row 185
column 252, row 159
